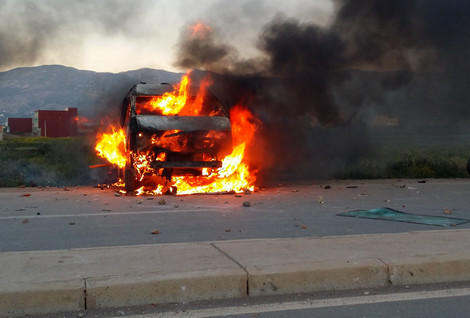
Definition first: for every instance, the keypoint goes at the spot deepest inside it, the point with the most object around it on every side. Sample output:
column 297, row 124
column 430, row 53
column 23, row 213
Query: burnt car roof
column 144, row 89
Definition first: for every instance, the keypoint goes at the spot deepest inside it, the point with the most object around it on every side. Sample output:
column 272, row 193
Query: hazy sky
column 121, row 35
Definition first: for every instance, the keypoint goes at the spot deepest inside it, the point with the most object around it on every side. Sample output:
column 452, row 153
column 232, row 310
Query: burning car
column 165, row 138
column 179, row 137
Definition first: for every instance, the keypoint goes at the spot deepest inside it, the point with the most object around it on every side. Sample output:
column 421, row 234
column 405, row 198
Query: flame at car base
column 234, row 175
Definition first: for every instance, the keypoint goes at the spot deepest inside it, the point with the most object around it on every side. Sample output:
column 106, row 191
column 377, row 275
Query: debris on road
column 162, row 202
column 26, row 195
column 447, row 211
column 389, row 214
column 25, row 221
column 246, row 204
column 155, row 232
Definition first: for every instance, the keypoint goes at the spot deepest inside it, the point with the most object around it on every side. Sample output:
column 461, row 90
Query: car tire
column 129, row 179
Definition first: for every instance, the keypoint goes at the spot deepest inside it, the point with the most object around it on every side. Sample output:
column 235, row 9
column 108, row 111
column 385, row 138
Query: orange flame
column 233, row 175
column 200, row 30
column 111, row 146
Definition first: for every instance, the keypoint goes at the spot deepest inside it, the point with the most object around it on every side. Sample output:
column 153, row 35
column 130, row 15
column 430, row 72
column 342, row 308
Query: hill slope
column 55, row 87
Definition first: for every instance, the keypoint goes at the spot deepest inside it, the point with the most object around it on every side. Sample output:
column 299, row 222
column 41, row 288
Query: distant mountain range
column 56, row 87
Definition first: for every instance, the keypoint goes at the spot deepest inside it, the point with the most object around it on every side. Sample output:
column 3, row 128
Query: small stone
column 162, row 202
column 71, row 223
column 25, row 221
column 247, row 191
column 447, row 211
column 155, row 232
column 366, row 293
column 238, row 195
column 327, row 187
column 303, row 227
column 246, row 204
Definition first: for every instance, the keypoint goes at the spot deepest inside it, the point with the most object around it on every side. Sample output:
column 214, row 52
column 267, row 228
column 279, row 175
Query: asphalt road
column 63, row 218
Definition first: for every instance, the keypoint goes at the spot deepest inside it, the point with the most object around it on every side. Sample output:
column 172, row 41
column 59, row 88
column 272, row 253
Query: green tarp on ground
column 394, row 215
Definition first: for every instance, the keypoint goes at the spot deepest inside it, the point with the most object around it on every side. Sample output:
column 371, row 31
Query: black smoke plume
column 316, row 88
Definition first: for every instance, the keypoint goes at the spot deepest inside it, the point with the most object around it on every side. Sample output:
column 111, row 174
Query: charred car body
column 162, row 146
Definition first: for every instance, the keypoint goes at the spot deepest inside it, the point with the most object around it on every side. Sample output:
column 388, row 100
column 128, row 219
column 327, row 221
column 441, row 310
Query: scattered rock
column 228, row 230
column 26, row 195
column 327, row 187
column 295, row 190
column 72, row 223
column 246, row 204
column 117, row 194
column 162, row 202
column 176, row 206
column 106, row 210
column 447, row 211
column 303, row 227
column 247, row 191
column 25, row 221
column 38, row 213
column 155, row 232
column 238, row 195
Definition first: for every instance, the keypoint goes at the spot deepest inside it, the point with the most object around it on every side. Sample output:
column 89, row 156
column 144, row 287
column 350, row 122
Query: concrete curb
column 41, row 282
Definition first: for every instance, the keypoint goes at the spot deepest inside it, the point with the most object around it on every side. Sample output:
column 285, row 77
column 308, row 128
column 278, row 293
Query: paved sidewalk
column 39, row 282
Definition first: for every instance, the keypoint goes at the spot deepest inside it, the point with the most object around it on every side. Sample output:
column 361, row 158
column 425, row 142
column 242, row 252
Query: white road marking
column 320, row 303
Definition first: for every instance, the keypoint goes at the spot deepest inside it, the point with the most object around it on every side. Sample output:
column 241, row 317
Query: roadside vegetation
column 414, row 163
column 39, row 161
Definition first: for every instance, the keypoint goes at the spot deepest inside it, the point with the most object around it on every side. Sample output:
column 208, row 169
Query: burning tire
column 129, row 178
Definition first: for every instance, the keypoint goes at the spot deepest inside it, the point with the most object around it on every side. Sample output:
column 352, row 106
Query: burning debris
column 177, row 139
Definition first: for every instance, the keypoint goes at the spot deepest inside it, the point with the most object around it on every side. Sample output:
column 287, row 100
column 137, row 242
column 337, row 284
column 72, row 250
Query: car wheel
column 129, row 178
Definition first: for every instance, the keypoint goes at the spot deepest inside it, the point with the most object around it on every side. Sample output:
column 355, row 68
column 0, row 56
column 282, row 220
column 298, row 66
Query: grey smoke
column 315, row 87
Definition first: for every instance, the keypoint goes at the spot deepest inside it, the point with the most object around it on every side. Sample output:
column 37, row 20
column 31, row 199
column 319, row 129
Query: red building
column 19, row 126
column 55, row 123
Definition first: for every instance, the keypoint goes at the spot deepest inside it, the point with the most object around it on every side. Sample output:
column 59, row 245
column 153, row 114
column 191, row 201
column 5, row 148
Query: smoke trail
column 400, row 58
